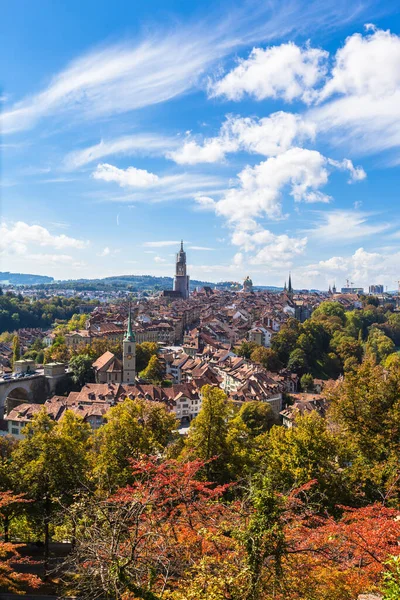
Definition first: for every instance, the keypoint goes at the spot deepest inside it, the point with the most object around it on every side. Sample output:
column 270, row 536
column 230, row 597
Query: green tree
column 154, row 371
column 246, row 349
column 133, row 428
column 144, row 352
column 16, row 348
column 81, row 368
column 207, row 438
column 266, row 357
column 298, row 362
column 257, row 416
column 379, row 345
column 330, row 309
column 307, row 382
column 285, row 340
column 307, row 451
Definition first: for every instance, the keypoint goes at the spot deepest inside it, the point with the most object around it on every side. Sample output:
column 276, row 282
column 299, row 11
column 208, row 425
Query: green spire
column 129, row 335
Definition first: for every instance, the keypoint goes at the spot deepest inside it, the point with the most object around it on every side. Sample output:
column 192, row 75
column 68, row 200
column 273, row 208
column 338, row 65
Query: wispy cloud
column 161, row 244
column 345, row 226
column 116, row 79
column 163, row 187
column 132, row 145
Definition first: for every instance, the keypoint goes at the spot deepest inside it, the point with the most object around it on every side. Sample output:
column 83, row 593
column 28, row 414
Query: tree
column 267, row 358
column 257, row 416
column 285, row 340
column 246, row 349
column 16, row 348
column 298, row 362
column 144, row 352
column 154, row 371
column 379, row 345
column 207, row 438
column 133, row 428
column 10, row 580
column 306, row 452
column 307, row 382
column 145, row 538
column 52, row 466
column 345, row 346
column 329, row 309
column 81, row 368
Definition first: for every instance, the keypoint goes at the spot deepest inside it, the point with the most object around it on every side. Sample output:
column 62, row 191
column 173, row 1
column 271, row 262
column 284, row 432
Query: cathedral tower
column 181, row 281
column 129, row 353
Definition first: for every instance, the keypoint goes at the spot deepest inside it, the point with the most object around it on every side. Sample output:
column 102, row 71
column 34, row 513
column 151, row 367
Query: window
column 129, row 349
column 14, row 431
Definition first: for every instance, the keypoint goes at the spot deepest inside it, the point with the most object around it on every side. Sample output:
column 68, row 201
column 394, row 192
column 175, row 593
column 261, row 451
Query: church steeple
column 129, row 335
column 129, row 353
column 290, row 289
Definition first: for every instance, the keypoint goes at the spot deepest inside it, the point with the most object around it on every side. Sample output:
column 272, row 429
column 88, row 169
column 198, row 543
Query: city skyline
column 266, row 138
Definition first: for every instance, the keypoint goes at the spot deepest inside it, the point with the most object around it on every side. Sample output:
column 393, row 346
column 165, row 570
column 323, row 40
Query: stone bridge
column 34, row 388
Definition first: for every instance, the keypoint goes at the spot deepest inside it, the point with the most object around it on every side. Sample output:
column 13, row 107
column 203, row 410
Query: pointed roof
column 181, row 245
column 129, row 335
column 290, row 289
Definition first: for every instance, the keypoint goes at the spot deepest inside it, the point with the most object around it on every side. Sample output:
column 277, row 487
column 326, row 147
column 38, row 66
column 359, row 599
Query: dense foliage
column 18, row 312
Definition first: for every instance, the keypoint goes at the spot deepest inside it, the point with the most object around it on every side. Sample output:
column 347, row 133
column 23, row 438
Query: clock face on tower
column 129, row 356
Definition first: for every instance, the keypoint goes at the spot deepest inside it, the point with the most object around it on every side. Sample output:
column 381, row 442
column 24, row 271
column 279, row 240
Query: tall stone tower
column 129, row 354
column 181, row 281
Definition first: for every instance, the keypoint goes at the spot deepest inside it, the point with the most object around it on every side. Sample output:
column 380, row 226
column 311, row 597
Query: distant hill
column 134, row 283
column 23, row 278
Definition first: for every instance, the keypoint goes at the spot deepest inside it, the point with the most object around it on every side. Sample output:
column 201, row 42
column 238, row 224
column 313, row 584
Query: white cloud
column 15, row 238
column 204, row 202
column 108, row 252
column 345, row 226
column 132, row 145
column 363, row 268
column 270, row 249
column 268, row 136
column 159, row 259
column 120, row 78
column 286, row 71
column 161, row 244
column 163, row 188
column 130, row 177
column 360, row 102
column 259, row 191
column 115, row 79
column 200, row 248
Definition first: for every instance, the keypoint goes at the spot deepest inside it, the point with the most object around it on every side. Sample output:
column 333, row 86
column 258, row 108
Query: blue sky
column 266, row 134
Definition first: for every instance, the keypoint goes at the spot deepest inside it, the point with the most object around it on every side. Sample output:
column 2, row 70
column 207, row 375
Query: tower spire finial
column 129, row 335
column 182, row 245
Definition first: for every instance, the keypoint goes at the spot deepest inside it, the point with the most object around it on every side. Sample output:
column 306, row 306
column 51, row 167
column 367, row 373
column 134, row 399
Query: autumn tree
column 10, row 579
column 133, row 427
column 141, row 541
column 52, row 465
column 257, row 416
column 266, row 357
